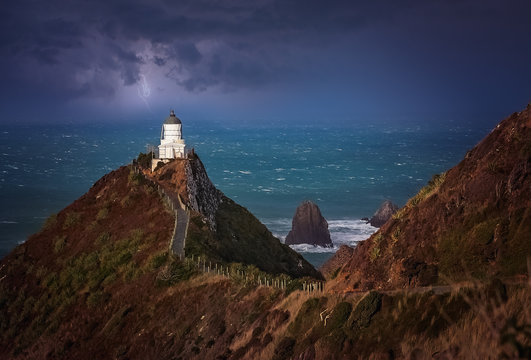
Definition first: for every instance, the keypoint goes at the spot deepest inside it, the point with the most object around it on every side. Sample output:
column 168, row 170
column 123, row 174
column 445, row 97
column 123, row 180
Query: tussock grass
column 492, row 329
column 433, row 185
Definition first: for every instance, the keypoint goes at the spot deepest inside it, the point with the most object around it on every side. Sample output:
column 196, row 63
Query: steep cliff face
column 188, row 179
column 472, row 221
column 203, row 196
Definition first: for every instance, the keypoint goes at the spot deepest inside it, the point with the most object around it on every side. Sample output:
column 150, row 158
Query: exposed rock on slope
column 188, row 179
column 474, row 220
column 383, row 214
column 331, row 268
column 309, row 227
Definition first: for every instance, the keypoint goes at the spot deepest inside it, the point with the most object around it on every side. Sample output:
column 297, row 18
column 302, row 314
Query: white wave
column 246, row 172
column 8, row 222
column 306, row 248
column 281, row 179
column 342, row 232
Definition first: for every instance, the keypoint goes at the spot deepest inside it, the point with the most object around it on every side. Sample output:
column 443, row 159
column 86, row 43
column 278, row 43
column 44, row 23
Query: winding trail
column 180, row 212
column 180, row 230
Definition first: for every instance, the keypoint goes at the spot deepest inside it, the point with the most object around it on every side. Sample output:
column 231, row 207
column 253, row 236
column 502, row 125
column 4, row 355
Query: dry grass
column 494, row 329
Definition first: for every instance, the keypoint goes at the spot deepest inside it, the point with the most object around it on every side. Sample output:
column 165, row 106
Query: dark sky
column 262, row 60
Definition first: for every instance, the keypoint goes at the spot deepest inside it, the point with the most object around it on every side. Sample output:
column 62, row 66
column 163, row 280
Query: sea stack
column 309, row 227
column 384, row 213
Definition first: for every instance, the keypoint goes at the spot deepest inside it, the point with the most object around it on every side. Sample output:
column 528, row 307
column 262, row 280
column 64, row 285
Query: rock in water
column 309, row 227
column 384, row 213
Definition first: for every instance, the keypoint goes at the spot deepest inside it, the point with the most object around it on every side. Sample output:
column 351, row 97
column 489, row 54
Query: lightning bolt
column 144, row 91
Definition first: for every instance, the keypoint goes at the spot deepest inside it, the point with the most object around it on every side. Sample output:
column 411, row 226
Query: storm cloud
column 62, row 50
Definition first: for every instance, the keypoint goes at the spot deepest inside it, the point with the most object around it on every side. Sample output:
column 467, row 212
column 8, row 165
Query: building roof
column 172, row 119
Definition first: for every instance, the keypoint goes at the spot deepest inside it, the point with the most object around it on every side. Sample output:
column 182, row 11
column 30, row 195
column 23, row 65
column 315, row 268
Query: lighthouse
column 172, row 145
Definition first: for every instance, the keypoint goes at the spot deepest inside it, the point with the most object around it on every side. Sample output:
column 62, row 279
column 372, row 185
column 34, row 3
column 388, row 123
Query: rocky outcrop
column 203, row 196
column 384, row 213
column 188, row 179
column 309, row 227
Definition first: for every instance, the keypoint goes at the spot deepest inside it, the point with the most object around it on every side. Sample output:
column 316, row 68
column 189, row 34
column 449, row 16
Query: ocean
column 348, row 171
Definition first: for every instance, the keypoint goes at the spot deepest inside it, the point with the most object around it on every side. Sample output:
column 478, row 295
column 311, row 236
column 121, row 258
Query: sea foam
column 342, row 232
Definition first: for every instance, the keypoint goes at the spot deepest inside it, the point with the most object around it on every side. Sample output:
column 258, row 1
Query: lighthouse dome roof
column 172, row 119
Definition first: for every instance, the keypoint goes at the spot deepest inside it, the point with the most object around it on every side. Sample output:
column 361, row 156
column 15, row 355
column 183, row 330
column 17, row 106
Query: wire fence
column 239, row 273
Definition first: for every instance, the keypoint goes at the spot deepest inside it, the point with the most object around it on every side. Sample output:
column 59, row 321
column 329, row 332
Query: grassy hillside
column 240, row 237
column 473, row 221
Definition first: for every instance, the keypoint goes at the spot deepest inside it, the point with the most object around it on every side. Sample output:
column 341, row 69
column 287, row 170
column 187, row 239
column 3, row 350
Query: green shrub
column 158, row 260
column 433, row 185
column 72, row 218
column 144, row 160
column 59, row 243
column 176, row 272
column 50, row 222
column 103, row 239
column 340, row 315
column 306, row 316
column 284, row 349
column 124, row 257
column 95, row 298
column 365, row 310
column 126, row 202
column 102, row 214
column 136, row 179
column 375, row 251
column 335, row 273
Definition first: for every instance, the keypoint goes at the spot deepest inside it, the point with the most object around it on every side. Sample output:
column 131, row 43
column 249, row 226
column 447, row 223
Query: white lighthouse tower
column 172, row 145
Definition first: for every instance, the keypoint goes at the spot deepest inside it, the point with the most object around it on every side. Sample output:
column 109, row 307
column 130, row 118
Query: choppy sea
column 348, row 171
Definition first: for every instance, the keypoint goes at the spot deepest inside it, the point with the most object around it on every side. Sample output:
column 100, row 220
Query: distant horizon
column 478, row 119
